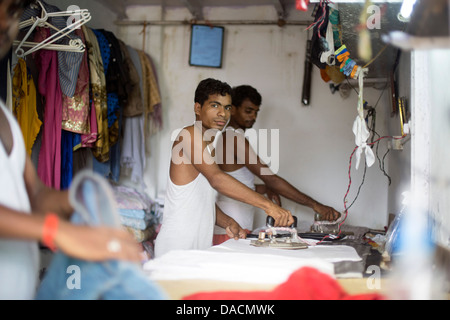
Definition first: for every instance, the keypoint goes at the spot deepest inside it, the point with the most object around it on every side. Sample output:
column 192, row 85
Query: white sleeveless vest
column 241, row 212
column 19, row 260
column 189, row 216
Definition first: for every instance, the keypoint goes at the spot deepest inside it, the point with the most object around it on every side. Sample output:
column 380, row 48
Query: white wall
column 439, row 72
column 315, row 141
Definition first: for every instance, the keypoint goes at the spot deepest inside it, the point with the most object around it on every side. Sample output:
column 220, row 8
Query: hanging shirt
column 49, row 164
column 75, row 110
column 132, row 157
column 151, row 93
column 133, row 106
column 19, row 259
column 98, row 88
column 113, row 67
column 24, row 104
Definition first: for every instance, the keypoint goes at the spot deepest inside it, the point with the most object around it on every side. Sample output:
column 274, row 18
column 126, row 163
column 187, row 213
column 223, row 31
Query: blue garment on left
column 70, row 278
column 74, row 279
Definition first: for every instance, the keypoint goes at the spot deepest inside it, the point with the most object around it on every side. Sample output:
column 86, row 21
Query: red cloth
column 49, row 164
column 221, row 238
column 304, row 284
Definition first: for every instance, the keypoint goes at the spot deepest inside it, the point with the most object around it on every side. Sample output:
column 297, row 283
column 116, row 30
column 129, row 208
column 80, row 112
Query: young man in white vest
column 190, row 211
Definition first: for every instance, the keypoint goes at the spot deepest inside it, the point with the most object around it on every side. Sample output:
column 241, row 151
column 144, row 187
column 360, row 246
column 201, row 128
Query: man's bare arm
column 42, row 198
column 229, row 186
column 279, row 185
column 233, row 229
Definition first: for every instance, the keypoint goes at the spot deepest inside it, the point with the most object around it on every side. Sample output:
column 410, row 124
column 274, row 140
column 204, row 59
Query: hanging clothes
column 133, row 106
column 24, row 104
column 150, row 85
column 135, row 59
column 151, row 94
column 49, row 164
column 117, row 76
column 76, row 116
column 108, row 57
column 68, row 62
column 132, row 158
column 116, row 84
column 155, row 101
column 98, row 94
column 67, row 142
column 4, row 72
column 88, row 140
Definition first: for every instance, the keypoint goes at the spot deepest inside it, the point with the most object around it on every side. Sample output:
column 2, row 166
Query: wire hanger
column 75, row 45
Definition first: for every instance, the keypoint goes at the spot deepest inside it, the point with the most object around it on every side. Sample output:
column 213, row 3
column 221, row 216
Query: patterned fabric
column 88, row 140
column 112, row 97
column 76, row 116
column 98, row 89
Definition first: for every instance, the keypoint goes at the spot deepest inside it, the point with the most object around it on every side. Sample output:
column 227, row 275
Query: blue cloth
column 69, row 278
column 109, row 169
column 73, row 279
column 134, row 213
column 68, row 141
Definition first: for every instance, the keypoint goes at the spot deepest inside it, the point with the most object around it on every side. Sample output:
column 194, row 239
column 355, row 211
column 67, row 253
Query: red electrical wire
column 321, row 19
column 350, row 181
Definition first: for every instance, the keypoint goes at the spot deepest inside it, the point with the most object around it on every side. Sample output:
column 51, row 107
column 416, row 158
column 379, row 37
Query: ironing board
column 238, row 261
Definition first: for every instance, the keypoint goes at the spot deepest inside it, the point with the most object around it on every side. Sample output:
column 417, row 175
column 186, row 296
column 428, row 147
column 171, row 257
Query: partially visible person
column 190, row 211
column 31, row 212
column 245, row 164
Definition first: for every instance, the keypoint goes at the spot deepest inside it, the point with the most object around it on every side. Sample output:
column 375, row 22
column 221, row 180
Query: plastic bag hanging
column 360, row 127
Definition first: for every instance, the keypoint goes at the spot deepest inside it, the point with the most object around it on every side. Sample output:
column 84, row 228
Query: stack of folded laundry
column 136, row 211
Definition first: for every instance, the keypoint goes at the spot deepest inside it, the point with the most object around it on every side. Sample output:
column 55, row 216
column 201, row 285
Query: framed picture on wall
column 206, row 48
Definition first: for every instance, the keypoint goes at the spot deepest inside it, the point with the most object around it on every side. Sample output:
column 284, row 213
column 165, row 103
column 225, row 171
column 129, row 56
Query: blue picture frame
column 206, row 46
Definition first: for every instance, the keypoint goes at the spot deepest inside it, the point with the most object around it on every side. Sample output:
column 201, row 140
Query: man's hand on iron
column 327, row 213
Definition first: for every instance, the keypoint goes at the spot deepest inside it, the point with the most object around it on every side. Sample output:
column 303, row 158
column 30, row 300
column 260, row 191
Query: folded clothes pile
column 136, row 212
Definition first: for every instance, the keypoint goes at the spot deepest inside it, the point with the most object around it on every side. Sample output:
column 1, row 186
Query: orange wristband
column 49, row 231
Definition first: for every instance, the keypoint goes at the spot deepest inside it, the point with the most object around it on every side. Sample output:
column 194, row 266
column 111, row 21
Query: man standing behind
column 245, row 164
column 190, row 211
